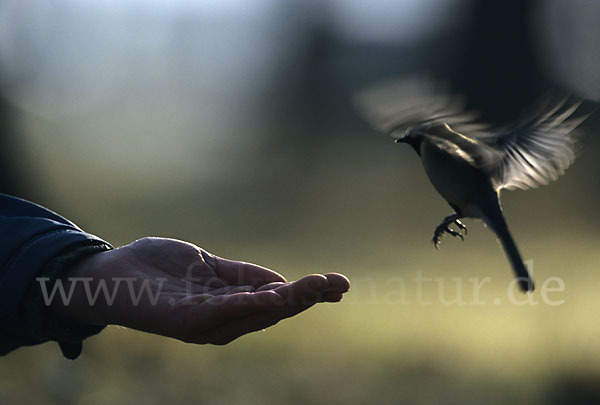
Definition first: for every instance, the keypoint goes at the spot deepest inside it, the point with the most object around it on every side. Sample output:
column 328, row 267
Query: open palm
column 175, row 289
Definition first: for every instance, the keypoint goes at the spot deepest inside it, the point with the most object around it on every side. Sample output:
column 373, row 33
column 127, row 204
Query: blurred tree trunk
column 497, row 67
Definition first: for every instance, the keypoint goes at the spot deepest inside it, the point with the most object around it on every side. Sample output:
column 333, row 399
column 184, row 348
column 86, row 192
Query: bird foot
column 461, row 226
column 445, row 228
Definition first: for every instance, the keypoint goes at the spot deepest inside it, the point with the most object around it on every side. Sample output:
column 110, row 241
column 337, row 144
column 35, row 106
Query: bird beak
column 401, row 140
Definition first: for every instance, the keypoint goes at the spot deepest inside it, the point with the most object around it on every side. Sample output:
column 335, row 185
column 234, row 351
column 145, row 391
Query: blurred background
column 229, row 124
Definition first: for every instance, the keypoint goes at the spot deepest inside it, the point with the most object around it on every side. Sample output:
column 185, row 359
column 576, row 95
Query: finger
column 232, row 289
column 270, row 286
column 190, row 299
column 199, row 320
column 332, row 297
column 224, row 308
column 241, row 273
column 232, row 330
column 308, row 290
column 338, row 282
column 198, row 298
column 229, row 317
column 226, row 317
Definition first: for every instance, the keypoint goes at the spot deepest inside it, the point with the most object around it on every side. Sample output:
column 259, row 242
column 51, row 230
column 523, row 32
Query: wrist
column 75, row 305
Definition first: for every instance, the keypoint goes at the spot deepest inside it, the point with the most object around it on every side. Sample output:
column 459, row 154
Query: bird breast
column 451, row 172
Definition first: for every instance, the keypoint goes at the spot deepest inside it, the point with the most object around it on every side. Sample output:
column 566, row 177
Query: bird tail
column 495, row 220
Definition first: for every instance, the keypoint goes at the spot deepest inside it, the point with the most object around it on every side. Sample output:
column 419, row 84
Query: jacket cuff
column 40, row 321
column 33, row 256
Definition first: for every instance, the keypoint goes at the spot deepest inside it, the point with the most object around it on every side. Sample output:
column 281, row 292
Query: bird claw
column 454, row 233
column 461, row 226
column 444, row 228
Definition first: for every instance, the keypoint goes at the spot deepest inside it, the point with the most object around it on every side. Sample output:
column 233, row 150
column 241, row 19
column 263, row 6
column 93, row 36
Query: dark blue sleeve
column 30, row 237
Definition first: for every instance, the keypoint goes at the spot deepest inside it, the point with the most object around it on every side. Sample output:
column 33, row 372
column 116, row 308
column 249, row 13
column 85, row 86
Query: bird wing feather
column 397, row 105
column 477, row 154
column 531, row 153
column 536, row 150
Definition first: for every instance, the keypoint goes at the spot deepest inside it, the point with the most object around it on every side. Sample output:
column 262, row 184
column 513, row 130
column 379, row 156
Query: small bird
column 470, row 163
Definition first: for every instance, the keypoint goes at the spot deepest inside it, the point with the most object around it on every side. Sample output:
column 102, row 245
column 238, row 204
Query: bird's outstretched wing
column 397, row 105
column 536, row 150
column 530, row 153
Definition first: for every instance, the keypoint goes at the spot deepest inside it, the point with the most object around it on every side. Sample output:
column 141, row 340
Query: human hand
column 175, row 289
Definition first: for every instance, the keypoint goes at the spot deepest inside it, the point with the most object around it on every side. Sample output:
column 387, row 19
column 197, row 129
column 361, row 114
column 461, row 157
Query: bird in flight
column 469, row 163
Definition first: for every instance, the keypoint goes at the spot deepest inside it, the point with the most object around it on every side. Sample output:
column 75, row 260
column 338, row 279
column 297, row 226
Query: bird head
column 414, row 134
